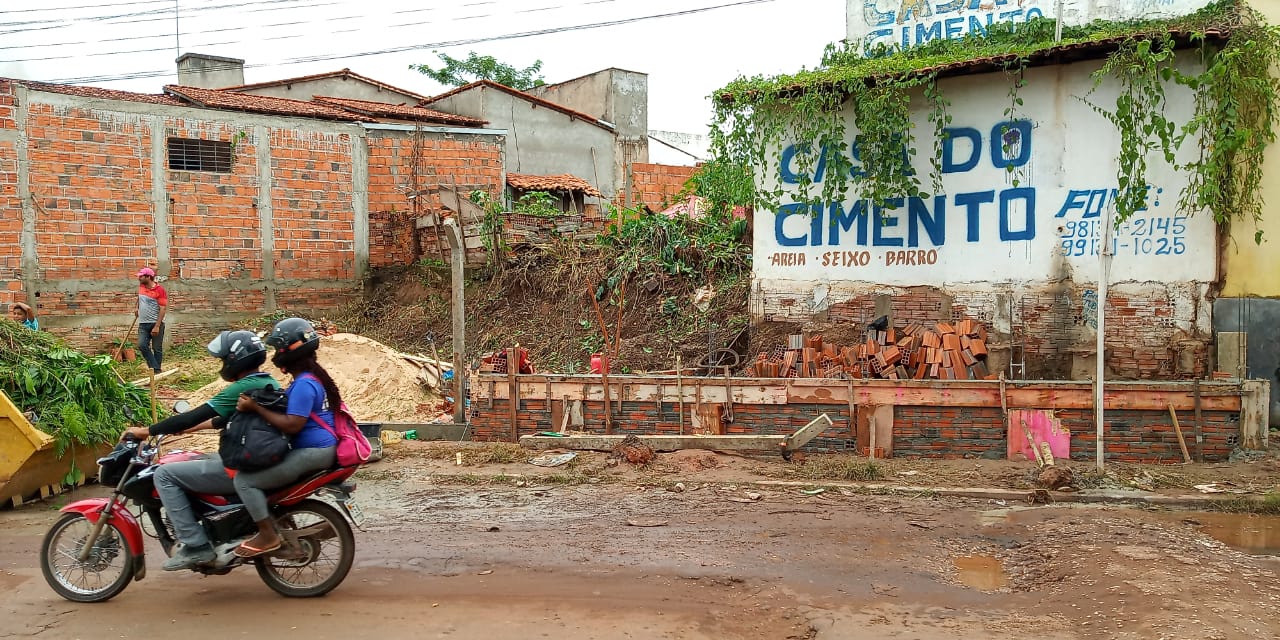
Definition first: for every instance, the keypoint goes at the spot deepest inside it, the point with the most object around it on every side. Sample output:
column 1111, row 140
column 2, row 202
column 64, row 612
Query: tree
column 457, row 72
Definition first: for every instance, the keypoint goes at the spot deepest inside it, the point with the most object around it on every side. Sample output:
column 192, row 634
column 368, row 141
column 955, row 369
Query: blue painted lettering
column 934, row 224
column 955, row 27
column 1009, row 137
column 927, row 33
column 779, row 222
column 973, row 202
column 1028, row 197
column 842, row 220
column 884, row 221
column 1075, row 200
column 951, row 136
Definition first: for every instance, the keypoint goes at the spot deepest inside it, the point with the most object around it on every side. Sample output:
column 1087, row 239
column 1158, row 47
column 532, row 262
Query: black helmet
column 292, row 339
column 239, row 351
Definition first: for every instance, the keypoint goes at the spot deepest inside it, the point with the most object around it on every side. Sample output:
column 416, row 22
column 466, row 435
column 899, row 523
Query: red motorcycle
column 94, row 551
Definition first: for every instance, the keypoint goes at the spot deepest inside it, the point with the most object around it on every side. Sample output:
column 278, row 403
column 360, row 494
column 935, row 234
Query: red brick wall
column 656, row 185
column 918, row 431
column 10, row 206
column 467, row 162
column 91, row 178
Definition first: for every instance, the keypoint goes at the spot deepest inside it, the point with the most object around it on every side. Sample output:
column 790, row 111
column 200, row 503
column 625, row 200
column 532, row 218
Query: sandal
column 245, row 550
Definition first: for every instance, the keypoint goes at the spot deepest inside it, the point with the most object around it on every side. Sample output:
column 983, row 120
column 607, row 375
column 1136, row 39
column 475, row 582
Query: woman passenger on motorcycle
column 311, row 395
column 241, row 353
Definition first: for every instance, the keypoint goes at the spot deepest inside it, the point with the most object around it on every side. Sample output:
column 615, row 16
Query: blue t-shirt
column 306, row 396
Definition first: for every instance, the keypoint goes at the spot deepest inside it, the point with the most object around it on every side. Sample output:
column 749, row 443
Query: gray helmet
column 293, row 338
column 239, row 351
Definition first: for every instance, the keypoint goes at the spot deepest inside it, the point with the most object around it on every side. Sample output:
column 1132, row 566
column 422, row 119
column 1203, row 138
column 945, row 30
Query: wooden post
column 1186, row 457
column 680, row 392
column 853, row 414
column 458, row 258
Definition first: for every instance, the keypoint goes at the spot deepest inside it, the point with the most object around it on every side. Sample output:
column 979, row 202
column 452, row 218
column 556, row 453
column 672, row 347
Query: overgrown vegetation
column 1269, row 505
column 78, row 399
column 1233, row 122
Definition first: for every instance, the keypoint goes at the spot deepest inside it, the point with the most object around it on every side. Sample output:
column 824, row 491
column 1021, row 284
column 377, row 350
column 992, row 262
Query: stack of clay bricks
column 496, row 362
column 942, row 351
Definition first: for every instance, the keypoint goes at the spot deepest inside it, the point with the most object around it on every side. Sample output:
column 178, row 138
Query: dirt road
column 545, row 560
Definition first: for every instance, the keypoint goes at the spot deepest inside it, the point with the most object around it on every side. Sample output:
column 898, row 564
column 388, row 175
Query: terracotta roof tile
column 219, row 99
column 94, row 92
column 562, row 182
column 523, row 96
column 343, row 73
column 401, row 111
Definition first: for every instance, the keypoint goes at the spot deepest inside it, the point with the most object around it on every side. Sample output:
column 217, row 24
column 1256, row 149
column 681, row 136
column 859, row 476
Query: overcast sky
column 131, row 44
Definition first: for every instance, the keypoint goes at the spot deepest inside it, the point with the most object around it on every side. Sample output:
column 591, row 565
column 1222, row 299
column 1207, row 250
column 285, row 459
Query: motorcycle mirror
column 181, row 406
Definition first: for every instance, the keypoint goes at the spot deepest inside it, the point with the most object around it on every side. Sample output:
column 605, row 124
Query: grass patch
column 1269, row 505
column 841, row 467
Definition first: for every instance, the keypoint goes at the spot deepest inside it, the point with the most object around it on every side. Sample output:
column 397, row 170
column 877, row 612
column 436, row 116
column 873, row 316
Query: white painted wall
column 982, row 228
column 911, row 22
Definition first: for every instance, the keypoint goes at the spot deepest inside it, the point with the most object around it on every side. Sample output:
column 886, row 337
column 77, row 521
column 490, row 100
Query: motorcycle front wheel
column 101, row 576
column 321, row 557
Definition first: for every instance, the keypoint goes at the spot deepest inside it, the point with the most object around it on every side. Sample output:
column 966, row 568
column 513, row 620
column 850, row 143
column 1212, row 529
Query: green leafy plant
column 677, row 245
column 456, row 73
column 78, row 398
column 491, row 233
column 538, row 203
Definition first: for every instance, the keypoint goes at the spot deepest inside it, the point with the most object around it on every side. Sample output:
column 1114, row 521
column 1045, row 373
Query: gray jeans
column 174, row 480
column 250, row 485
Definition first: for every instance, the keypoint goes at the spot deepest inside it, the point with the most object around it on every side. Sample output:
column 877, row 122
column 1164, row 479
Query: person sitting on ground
column 24, row 315
column 308, row 419
column 242, row 354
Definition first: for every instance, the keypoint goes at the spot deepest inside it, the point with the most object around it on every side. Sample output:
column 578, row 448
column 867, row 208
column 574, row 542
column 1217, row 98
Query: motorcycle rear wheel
column 323, row 559
column 107, row 571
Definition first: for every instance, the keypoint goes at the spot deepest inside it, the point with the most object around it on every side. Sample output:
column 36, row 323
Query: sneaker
column 190, row 557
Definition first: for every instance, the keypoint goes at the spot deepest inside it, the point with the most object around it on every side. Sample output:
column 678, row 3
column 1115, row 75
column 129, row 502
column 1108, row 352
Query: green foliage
column 1235, row 108
column 538, row 203
column 78, row 398
column 723, row 184
column 495, row 242
column 677, row 246
column 457, row 72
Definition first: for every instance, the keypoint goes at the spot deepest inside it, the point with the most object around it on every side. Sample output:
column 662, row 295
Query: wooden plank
column 1182, row 443
column 513, row 368
column 658, row 443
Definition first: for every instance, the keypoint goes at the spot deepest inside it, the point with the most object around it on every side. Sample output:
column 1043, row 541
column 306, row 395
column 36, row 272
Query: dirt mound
column 634, row 451
column 375, row 381
column 692, row 460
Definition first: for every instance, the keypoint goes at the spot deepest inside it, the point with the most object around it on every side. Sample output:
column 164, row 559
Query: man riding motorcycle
column 242, row 354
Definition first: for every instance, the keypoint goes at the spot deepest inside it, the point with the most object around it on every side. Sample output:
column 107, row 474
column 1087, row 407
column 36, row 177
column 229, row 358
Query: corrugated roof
column 343, row 73
column 562, row 182
column 523, row 96
column 401, row 111
column 219, row 99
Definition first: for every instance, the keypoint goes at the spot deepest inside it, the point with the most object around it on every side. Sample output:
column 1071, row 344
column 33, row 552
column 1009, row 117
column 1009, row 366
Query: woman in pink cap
column 152, row 304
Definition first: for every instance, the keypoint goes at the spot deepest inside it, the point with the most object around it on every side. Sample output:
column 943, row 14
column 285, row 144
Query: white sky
column 686, row 56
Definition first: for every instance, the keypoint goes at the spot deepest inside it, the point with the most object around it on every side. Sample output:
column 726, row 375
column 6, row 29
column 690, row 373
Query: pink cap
column 146, row 271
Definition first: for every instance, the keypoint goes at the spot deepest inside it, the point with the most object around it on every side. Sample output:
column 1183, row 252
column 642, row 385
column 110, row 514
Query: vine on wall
column 1233, row 122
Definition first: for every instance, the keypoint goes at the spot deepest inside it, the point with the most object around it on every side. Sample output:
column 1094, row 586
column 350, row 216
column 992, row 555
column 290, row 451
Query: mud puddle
column 985, row 573
column 1253, row 534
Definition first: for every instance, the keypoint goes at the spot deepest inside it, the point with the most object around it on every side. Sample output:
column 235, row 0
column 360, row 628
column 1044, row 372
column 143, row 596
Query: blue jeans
column 174, row 480
column 151, row 347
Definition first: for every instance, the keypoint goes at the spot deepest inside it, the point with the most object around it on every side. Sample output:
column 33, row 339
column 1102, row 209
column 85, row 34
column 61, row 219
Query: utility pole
column 458, row 257
column 1104, row 270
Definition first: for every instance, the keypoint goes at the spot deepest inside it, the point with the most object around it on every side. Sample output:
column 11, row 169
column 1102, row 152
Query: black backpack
column 249, row 442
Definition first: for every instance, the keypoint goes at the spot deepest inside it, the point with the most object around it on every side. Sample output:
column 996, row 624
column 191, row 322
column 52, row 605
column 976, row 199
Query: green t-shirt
column 225, row 402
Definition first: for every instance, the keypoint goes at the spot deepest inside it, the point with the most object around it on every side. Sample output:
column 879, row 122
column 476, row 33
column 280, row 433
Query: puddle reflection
column 1259, row 535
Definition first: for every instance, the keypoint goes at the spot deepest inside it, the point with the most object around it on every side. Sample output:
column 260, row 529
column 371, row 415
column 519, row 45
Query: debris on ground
column 1055, row 477
column 633, row 450
column 552, row 459
column 648, row 522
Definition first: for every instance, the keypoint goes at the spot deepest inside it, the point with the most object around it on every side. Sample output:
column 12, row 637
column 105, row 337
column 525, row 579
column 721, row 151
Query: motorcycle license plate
column 353, row 509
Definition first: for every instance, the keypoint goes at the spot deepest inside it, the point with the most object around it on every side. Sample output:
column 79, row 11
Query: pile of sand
column 376, row 383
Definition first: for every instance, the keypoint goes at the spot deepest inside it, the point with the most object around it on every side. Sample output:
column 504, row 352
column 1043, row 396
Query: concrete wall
column 1022, row 258
column 87, row 179
column 542, row 141
column 209, row 72
column 910, row 22
column 341, row 87
column 620, row 98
